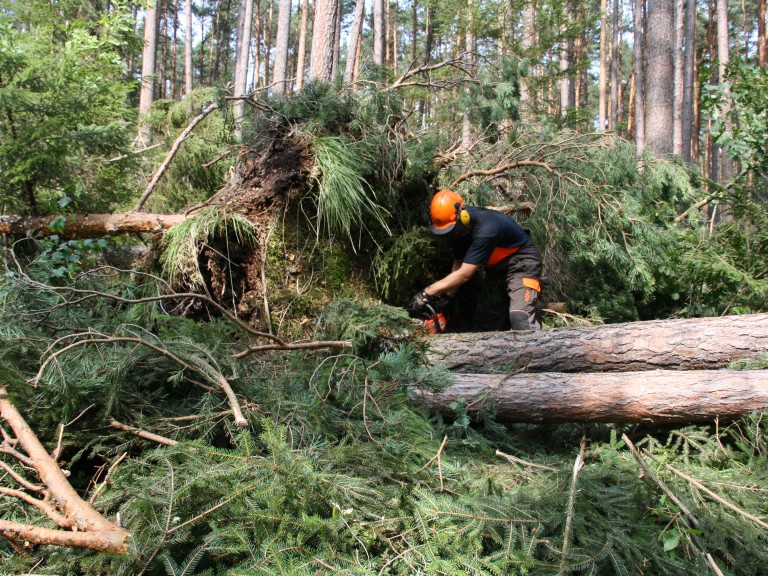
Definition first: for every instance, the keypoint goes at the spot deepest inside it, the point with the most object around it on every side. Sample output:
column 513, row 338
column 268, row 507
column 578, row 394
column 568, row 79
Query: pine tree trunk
column 244, row 23
column 657, row 396
column 615, row 65
column 693, row 344
column 689, row 49
column 281, row 47
column 188, row 47
column 639, row 108
column 302, row 45
column 526, row 43
column 723, row 57
column 677, row 113
column 660, row 77
column 148, row 65
column 378, row 32
column 354, row 41
column 603, row 97
column 323, row 40
column 762, row 40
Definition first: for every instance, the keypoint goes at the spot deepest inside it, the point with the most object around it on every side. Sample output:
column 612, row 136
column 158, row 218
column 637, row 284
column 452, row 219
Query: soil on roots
column 273, row 173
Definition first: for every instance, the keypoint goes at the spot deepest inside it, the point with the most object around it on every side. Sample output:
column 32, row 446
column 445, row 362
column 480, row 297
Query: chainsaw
column 433, row 316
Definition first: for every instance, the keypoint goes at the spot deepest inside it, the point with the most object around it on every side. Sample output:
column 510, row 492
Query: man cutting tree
column 489, row 240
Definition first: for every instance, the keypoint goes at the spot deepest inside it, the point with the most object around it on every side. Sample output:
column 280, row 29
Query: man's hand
column 421, row 301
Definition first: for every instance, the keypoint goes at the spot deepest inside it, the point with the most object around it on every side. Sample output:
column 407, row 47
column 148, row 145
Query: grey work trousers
column 505, row 301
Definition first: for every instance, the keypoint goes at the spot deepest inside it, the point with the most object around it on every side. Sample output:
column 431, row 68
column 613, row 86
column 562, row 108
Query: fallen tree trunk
column 690, row 344
column 80, row 226
column 657, row 396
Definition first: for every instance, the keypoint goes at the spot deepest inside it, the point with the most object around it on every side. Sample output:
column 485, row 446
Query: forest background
column 299, row 145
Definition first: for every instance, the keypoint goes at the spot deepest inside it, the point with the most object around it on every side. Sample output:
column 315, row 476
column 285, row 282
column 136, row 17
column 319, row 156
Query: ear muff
column 461, row 215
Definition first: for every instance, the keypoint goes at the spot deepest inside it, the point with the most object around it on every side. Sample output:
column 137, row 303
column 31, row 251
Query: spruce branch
column 85, row 294
column 694, row 521
column 197, row 364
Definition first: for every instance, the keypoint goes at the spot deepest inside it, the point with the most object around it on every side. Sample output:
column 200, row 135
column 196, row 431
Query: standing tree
column 188, row 72
column 689, row 48
column 379, row 37
column 639, row 109
column 281, row 47
column 602, row 98
column 323, row 39
column 354, row 42
column 723, row 57
column 148, row 65
column 302, row 49
column 243, row 52
column 660, row 76
column 615, row 64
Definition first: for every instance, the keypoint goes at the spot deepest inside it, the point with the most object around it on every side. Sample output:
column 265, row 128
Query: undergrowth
column 341, row 470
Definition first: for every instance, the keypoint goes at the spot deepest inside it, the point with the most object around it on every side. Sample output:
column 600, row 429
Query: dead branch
column 313, row 345
column 112, row 468
column 511, row 166
column 517, row 460
column 174, row 149
column 427, row 68
column 577, row 466
column 648, row 473
column 142, row 433
column 438, row 457
column 693, row 482
column 92, row 530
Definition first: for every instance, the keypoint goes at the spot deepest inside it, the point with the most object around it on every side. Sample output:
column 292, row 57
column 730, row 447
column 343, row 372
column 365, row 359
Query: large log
column 80, row 226
column 692, row 344
column 656, row 396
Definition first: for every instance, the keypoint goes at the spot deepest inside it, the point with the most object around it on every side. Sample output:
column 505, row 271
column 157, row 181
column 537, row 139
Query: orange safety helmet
column 444, row 211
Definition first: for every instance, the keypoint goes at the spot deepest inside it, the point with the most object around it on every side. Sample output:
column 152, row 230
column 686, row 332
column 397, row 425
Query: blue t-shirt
column 489, row 229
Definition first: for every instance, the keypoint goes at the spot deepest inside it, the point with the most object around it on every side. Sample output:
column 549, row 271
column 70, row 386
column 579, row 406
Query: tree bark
column 379, row 37
column 677, row 114
column 702, row 343
column 323, row 40
column 188, row 47
column 689, row 47
column 723, row 58
column 615, row 65
column 658, row 396
column 639, row 68
column 243, row 52
column 301, row 52
column 148, row 65
column 88, row 225
column 660, row 88
column 353, row 42
column 602, row 95
column 762, row 40
column 281, row 46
